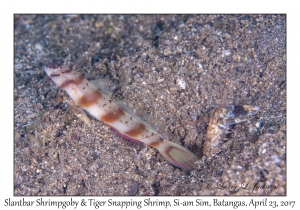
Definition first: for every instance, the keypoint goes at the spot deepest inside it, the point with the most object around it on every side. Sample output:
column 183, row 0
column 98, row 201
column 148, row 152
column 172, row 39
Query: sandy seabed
column 174, row 71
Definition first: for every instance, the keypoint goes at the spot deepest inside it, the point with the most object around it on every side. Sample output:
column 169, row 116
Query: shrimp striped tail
column 177, row 155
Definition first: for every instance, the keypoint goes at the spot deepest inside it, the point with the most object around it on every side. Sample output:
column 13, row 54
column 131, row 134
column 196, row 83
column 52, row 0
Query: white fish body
column 100, row 106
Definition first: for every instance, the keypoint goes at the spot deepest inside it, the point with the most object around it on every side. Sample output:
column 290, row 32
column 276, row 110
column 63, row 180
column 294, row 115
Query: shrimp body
column 220, row 122
column 101, row 107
